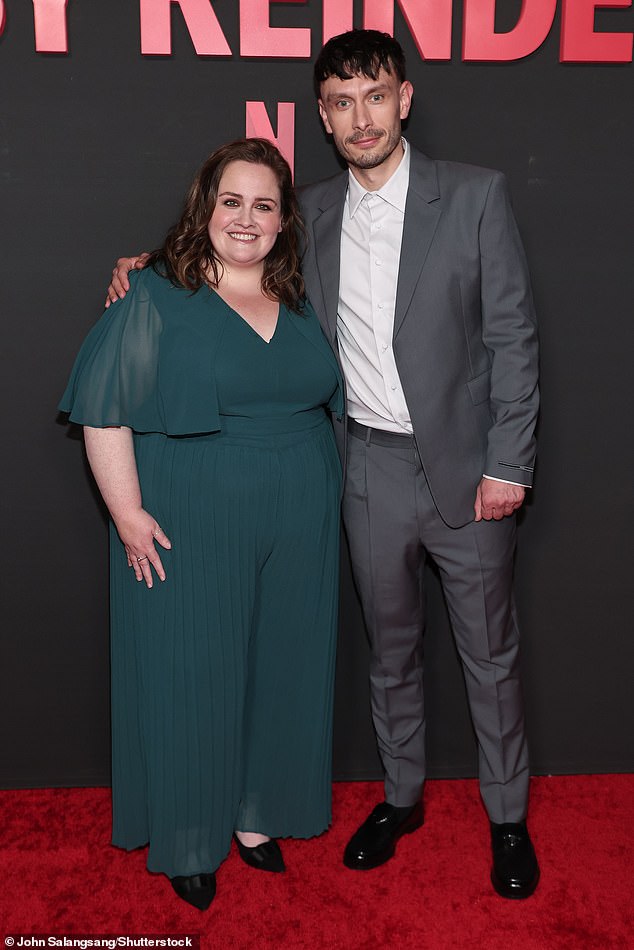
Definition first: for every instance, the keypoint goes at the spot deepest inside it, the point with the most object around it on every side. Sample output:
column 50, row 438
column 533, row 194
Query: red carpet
column 59, row 875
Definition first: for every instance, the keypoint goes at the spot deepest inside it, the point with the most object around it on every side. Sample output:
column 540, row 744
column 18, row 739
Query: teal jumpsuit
column 222, row 676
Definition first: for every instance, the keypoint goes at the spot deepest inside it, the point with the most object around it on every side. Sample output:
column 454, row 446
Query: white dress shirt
column 371, row 236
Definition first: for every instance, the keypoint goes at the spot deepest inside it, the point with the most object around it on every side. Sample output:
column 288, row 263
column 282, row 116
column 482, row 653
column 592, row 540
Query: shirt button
column 384, row 347
column 392, row 388
column 378, row 263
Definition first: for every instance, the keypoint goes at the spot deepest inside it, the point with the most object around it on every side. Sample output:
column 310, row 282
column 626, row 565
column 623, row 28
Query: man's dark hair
column 362, row 52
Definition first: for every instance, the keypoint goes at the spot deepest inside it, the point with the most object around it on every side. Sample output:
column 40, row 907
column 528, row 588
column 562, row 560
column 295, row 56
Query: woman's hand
column 110, row 453
column 138, row 531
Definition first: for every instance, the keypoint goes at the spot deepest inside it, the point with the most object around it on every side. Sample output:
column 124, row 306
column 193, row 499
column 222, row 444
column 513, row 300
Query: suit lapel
column 327, row 244
column 421, row 221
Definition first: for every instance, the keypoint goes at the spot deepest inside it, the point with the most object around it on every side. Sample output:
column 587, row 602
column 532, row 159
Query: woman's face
column 248, row 217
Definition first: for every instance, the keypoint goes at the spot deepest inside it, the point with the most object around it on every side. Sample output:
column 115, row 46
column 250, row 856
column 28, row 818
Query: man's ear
column 405, row 97
column 324, row 116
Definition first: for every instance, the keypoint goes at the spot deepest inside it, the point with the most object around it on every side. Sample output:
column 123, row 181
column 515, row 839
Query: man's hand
column 120, row 285
column 497, row 500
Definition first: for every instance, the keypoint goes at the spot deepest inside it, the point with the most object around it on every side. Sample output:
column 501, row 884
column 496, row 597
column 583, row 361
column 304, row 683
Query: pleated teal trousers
column 222, row 676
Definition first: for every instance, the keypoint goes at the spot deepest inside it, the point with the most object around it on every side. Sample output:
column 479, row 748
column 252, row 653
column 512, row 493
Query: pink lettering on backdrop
column 429, row 22
column 258, row 125
column 259, row 38
column 202, row 23
column 580, row 43
column 50, row 26
column 336, row 18
column 3, row 17
column 481, row 42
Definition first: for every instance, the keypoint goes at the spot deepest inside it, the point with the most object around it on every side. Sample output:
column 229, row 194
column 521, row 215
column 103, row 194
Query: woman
column 204, row 395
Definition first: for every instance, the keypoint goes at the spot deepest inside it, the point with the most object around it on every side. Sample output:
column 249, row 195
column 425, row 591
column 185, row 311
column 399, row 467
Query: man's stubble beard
column 372, row 159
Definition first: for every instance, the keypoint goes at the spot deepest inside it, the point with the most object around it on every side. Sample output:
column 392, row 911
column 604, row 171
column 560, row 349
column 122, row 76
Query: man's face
column 364, row 116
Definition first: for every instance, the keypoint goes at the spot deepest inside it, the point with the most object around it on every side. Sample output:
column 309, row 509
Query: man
column 417, row 273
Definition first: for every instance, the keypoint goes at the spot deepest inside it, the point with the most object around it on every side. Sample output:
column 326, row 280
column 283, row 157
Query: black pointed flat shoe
column 197, row 889
column 264, row 857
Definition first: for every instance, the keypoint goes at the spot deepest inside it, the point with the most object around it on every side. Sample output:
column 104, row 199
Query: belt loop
column 368, row 435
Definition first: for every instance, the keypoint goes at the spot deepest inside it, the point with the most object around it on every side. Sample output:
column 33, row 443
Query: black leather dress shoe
column 197, row 889
column 375, row 841
column 265, row 857
column 515, row 870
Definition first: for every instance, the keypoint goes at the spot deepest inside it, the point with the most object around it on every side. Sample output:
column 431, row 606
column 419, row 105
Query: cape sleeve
column 133, row 371
column 114, row 381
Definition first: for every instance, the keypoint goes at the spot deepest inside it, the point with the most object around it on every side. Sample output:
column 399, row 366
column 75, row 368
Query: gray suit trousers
column 392, row 526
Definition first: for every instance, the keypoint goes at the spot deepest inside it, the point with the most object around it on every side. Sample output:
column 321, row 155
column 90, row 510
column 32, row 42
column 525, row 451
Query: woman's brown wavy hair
column 187, row 254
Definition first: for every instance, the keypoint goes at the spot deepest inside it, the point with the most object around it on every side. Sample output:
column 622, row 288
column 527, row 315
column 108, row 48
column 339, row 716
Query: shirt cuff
column 505, row 481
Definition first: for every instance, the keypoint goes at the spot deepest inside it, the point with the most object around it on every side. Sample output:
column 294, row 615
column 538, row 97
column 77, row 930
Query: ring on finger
column 144, row 558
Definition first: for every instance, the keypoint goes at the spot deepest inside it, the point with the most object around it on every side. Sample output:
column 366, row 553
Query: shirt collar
column 394, row 191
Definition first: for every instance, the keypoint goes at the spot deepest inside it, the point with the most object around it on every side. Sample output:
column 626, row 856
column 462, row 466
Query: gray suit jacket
column 465, row 336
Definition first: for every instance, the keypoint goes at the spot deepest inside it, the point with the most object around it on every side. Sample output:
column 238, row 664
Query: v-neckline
column 246, row 322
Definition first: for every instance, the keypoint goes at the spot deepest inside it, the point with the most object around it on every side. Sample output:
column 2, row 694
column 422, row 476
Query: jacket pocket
column 480, row 387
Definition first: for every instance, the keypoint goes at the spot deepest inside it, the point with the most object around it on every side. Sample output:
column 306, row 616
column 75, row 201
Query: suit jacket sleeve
column 509, row 331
